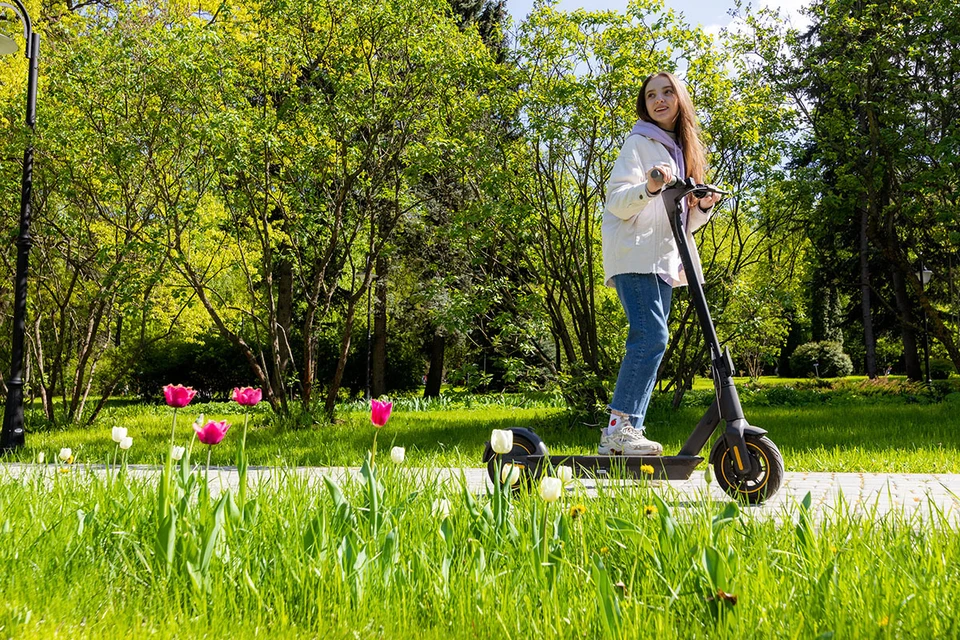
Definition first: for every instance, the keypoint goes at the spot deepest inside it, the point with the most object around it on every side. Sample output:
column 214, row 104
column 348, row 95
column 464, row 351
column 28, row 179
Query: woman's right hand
column 654, row 185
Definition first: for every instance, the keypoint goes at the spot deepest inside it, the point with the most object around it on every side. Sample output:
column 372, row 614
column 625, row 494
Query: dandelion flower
column 577, row 510
column 650, row 510
column 646, row 469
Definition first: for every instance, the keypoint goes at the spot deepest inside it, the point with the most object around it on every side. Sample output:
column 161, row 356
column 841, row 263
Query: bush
column 213, row 366
column 829, row 357
column 941, row 368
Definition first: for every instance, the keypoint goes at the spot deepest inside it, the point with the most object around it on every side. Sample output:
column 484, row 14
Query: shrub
column 213, row 366
column 829, row 357
column 941, row 368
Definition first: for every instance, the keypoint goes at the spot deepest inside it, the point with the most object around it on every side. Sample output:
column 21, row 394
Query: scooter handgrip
column 656, row 174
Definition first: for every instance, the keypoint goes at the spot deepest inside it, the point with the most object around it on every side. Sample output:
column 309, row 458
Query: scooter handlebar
column 699, row 190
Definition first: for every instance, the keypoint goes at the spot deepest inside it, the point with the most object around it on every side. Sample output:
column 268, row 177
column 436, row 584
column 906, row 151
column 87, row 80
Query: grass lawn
column 868, row 436
column 84, row 556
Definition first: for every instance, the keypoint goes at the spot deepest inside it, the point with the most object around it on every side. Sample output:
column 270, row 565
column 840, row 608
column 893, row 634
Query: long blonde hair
column 687, row 129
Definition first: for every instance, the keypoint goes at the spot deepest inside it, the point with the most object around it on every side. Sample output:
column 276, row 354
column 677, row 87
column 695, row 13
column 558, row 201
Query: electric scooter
column 746, row 463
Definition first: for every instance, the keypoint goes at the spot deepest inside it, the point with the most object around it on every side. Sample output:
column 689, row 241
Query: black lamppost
column 924, row 276
column 11, row 437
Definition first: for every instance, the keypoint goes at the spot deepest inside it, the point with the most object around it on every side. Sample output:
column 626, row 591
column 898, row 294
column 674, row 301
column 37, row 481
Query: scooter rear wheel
column 525, row 443
column 761, row 484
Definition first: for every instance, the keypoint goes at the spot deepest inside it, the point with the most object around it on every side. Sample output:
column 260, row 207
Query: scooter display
column 746, row 463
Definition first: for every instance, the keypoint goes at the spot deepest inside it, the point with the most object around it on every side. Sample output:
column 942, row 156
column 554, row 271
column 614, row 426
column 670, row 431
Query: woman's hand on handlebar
column 658, row 176
column 705, row 202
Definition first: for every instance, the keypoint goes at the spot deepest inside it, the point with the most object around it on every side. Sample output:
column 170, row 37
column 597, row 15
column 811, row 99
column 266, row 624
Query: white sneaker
column 628, row 441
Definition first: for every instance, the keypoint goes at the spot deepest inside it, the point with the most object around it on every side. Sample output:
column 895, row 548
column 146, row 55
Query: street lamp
column 924, row 276
column 11, row 437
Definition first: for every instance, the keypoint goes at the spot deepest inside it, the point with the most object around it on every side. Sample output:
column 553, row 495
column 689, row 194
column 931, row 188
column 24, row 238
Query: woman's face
column 662, row 103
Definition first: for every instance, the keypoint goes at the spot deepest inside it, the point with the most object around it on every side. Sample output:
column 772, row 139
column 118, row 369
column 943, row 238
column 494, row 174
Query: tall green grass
column 374, row 557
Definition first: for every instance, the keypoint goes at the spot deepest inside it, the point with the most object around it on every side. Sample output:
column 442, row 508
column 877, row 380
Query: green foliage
column 941, row 368
column 822, row 359
column 211, row 365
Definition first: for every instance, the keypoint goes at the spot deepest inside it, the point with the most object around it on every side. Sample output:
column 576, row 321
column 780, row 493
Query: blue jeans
column 646, row 300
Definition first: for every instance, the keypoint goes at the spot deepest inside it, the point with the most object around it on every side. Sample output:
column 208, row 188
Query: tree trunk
column 330, row 405
column 869, row 341
column 378, row 385
column 435, row 374
column 284, row 309
column 907, row 323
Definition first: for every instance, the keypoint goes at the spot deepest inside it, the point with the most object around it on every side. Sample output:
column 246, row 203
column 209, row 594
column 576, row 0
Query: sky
column 712, row 14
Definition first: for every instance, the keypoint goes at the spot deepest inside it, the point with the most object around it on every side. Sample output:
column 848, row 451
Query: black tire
column 525, row 443
column 767, row 480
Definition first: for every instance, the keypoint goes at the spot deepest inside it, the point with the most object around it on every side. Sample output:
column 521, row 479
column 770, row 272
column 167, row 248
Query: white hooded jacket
column 636, row 232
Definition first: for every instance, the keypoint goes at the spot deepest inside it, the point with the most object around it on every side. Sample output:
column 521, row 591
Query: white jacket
column 636, row 231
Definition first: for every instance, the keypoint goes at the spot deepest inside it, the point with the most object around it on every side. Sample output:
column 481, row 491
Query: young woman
column 640, row 256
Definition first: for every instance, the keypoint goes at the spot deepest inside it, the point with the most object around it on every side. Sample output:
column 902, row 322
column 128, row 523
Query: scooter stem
column 728, row 399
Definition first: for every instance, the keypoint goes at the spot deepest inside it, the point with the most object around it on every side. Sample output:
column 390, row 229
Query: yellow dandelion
column 647, row 469
column 650, row 510
column 577, row 510
column 70, row 460
column 64, row 470
column 884, row 621
column 604, row 550
column 833, row 549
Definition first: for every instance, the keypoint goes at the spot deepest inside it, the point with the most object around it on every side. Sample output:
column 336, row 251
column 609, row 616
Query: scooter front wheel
column 763, row 482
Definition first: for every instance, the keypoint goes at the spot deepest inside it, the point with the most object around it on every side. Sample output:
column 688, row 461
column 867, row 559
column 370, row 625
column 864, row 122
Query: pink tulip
column 178, row 396
column 212, row 432
column 247, row 396
column 380, row 412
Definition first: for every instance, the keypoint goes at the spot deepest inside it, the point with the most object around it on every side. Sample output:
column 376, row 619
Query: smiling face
column 663, row 106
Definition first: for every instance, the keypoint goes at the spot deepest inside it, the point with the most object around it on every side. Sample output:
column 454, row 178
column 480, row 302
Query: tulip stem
column 373, row 453
column 544, row 557
column 206, row 478
column 173, row 430
column 242, row 461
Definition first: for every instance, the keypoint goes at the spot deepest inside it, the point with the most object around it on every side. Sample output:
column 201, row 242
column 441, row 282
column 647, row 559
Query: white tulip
column 126, row 443
column 502, row 440
column 66, row 454
column 177, row 453
column 119, row 433
column 565, row 474
column 550, row 489
column 397, row 454
column 440, row 508
column 41, row 457
column 510, row 474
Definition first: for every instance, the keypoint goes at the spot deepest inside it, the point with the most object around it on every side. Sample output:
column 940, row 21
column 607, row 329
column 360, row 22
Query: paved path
column 874, row 494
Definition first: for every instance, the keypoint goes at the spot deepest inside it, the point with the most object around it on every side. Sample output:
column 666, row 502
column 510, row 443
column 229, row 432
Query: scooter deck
column 664, row 467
